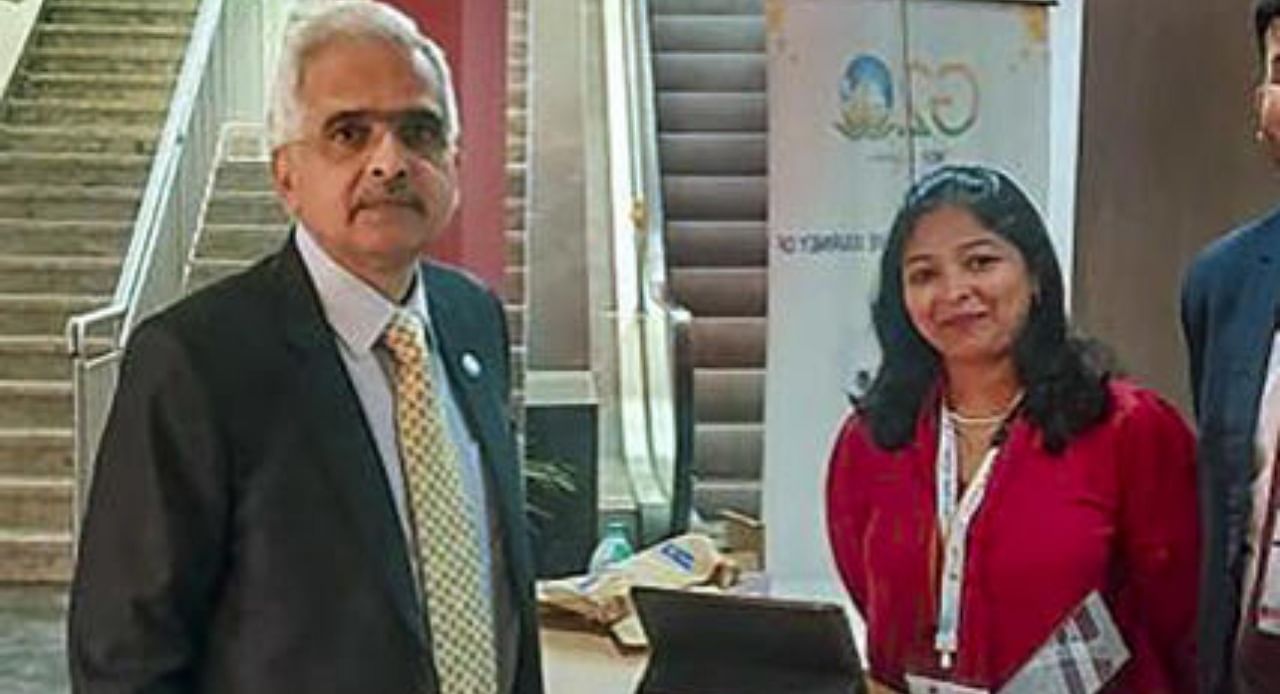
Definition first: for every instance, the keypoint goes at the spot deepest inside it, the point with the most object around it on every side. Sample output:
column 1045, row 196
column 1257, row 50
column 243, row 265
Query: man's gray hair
column 318, row 24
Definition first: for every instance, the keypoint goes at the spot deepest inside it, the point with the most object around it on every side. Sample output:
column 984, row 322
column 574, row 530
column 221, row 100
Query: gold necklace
column 985, row 420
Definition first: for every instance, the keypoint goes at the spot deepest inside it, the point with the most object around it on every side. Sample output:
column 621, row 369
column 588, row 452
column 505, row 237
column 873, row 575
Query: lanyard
column 954, row 518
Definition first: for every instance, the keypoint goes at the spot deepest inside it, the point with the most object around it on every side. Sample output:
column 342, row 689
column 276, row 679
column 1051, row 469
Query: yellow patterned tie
column 444, row 529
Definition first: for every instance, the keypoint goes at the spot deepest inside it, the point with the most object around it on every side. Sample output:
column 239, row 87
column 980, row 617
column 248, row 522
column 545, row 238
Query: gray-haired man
column 308, row 482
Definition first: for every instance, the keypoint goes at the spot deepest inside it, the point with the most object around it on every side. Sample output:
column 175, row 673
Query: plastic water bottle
column 612, row 548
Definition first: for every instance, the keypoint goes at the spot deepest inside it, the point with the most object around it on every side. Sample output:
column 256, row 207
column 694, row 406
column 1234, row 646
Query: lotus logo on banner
column 946, row 104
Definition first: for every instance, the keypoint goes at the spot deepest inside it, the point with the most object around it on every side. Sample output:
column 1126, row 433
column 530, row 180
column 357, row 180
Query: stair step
column 244, row 207
column 517, row 100
column 35, row 504
column 714, row 153
column 721, row 291
column 244, row 175
column 83, row 112
column 712, row 495
column 515, row 248
column 708, row 32
column 712, row 111
column 513, row 286
column 79, row 139
column 43, row 314
column 36, row 453
column 29, row 557
column 712, row 243
column 514, row 210
column 516, row 179
column 69, row 202
column 53, row 237
column 73, row 168
column 122, row 59
column 32, row 403
column 154, row 90
column 516, row 148
column 700, row 72
column 206, row 272
column 663, row 7
column 719, row 342
column 240, row 241
column 728, row 396
column 34, row 357
column 245, row 141
column 728, row 451
column 149, row 13
column 715, row 197
column 515, row 321
column 107, row 38
column 58, row 274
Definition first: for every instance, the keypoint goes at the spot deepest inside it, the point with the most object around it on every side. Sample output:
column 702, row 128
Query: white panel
column 840, row 160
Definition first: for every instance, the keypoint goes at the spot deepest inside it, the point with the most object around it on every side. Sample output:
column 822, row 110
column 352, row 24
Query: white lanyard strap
column 954, row 519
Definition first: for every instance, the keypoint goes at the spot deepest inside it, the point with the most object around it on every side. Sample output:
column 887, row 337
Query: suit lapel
column 474, row 384
column 348, row 454
column 1256, row 325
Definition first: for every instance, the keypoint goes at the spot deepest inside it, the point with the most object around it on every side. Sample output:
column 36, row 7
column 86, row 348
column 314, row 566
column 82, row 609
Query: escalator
column 709, row 82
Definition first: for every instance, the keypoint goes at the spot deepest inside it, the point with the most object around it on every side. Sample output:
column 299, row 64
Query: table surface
column 581, row 662
column 577, row 661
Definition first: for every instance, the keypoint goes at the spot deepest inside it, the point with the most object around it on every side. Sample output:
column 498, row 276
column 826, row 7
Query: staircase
column 516, row 202
column 243, row 221
column 709, row 78
column 78, row 128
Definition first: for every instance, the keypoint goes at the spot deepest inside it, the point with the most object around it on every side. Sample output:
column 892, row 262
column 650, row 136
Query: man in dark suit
column 308, row 482
column 1230, row 317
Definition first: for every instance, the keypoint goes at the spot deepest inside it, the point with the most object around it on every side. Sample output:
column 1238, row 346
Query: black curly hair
column 1264, row 12
column 1065, row 381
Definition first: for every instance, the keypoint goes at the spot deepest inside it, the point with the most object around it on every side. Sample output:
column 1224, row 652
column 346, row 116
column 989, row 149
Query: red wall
column 474, row 35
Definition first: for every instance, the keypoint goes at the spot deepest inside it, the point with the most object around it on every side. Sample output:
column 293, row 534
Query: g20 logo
column 945, row 100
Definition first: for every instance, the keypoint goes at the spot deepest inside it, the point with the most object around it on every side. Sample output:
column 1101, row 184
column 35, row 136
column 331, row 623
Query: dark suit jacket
column 1230, row 305
column 240, row 535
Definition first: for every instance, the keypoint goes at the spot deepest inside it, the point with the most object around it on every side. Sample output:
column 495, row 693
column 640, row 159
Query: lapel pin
column 471, row 365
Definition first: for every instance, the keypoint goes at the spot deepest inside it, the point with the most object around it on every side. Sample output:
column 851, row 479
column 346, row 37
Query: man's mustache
column 401, row 195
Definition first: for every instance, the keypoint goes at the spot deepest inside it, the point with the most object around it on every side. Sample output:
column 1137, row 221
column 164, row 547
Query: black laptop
column 707, row 643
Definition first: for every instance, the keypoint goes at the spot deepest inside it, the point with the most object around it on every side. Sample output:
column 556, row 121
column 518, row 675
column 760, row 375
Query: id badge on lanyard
column 954, row 519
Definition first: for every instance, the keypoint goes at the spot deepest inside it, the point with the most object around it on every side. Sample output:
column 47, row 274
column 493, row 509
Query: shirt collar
column 355, row 310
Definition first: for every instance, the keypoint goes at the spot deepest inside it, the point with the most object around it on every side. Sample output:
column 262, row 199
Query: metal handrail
column 228, row 40
column 670, row 376
column 124, row 303
column 648, row 324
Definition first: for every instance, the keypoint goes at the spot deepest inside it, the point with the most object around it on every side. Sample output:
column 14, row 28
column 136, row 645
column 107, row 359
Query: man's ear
column 283, row 178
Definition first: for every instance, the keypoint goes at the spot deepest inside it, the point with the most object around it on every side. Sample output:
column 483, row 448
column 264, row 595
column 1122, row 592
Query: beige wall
column 1167, row 163
column 16, row 19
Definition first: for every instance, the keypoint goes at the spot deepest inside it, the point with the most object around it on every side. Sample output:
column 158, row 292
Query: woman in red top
column 993, row 476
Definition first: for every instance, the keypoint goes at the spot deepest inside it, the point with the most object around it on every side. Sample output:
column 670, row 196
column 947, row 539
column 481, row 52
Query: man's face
column 1268, row 94
column 371, row 174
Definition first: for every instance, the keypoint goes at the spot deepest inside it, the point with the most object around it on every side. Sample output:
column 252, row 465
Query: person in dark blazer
column 1230, row 320
column 256, row 521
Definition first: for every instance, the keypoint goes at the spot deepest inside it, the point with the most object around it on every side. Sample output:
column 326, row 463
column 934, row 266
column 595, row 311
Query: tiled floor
column 32, row 641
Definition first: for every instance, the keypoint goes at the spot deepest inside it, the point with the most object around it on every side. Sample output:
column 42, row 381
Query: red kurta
column 1115, row 512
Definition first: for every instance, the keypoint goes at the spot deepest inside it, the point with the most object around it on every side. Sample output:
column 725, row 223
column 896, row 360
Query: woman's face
column 967, row 289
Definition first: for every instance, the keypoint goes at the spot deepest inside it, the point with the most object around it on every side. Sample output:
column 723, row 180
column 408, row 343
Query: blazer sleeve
column 151, row 546
column 1159, row 535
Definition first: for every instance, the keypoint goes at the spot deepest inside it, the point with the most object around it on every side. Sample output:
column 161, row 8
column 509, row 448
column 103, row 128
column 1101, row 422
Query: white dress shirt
column 358, row 315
